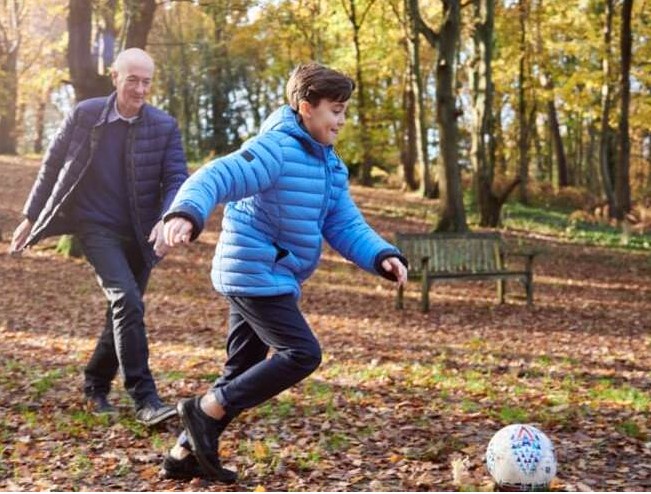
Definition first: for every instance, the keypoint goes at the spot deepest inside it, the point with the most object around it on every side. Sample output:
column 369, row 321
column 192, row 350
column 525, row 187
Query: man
column 110, row 172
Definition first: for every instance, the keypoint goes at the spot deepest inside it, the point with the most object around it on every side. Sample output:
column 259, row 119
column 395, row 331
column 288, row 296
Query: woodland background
column 528, row 116
column 480, row 97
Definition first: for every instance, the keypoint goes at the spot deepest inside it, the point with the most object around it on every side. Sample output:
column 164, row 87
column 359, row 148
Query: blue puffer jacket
column 155, row 168
column 285, row 191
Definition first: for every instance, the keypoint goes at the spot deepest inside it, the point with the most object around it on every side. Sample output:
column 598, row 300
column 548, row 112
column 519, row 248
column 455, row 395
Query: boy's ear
column 305, row 109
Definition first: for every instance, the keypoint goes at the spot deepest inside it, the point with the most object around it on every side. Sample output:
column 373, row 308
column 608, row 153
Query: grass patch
column 631, row 429
column 558, row 223
column 607, row 391
column 512, row 415
column 280, row 408
column 335, row 442
column 45, row 382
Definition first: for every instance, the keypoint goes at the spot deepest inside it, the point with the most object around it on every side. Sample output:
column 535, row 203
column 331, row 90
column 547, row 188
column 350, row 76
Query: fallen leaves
column 402, row 401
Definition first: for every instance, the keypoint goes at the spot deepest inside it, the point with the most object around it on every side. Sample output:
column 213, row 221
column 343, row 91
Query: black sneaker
column 203, row 433
column 188, row 468
column 154, row 412
column 99, row 405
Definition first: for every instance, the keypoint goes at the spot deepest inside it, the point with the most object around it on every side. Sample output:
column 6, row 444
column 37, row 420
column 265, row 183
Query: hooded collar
column 286, row 120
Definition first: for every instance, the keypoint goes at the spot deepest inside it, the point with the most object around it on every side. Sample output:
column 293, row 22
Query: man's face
column 132, row 82
column 325, row 120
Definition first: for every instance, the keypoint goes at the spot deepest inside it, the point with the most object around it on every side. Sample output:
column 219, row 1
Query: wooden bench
column 461, row 256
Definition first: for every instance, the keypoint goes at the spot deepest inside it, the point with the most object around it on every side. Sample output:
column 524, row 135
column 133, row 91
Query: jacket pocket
column 285, row 258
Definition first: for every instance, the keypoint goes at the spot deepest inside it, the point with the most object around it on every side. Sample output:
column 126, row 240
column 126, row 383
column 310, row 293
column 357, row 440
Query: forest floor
column 402, row 400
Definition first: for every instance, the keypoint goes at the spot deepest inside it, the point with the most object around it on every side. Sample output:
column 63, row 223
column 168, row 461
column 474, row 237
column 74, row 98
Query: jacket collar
column 109, row 105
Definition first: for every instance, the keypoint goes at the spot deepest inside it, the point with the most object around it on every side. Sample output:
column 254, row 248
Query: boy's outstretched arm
column 348, row 233
column 243, row 173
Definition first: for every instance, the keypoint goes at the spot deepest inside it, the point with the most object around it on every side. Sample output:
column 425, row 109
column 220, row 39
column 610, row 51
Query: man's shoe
column 152, row 413
column 203, row 434
column 188, row 468
column 99, row 405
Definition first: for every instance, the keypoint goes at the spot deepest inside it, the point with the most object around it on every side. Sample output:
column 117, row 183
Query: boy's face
column 325, row 120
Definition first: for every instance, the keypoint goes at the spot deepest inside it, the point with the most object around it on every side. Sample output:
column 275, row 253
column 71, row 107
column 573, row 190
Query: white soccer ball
column 521, row 457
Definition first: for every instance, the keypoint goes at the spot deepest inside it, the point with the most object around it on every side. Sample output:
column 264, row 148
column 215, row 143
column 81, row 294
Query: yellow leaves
column 259, row 488
column 260, row 451
column 395, row 458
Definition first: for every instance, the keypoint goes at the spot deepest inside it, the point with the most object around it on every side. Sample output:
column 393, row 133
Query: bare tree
column 10, row 39
column 88, row 78
column 605, row 147
column 452, row 216
column 357, row 19
column 622, row 184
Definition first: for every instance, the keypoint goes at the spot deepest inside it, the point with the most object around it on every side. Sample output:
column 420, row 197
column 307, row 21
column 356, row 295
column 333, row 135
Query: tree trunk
column 220, row 76
column 139, row 17
column 452, row 214
column 413, row 25
column 604, row 139
column 9, row 79
column 408, row 154
column 85, row 79
column 356, row 20
column 557, row 139
column 40, row 123
column 482, row 147
column 523, row 141
column 622, row 184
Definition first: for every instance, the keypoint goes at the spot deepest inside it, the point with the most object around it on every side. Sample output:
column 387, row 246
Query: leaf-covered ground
column 401, row 397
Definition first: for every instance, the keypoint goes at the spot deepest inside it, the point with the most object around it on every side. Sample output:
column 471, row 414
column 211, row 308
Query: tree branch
column 431, row 36
column 368, row 7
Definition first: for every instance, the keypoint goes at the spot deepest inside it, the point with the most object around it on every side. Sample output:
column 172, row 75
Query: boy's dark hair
column 313, row 82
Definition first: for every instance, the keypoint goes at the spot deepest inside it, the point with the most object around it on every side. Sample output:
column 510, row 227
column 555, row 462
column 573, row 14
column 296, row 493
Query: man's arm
column 52, row 162
column 44, row 183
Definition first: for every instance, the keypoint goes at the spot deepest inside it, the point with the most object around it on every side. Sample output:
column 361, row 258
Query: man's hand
column 393, row 265
column 21, row 234
column 177, row 231
column 157, row 238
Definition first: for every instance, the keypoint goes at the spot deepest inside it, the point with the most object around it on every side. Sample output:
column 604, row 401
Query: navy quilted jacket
column 155, row 167
column 284, row 193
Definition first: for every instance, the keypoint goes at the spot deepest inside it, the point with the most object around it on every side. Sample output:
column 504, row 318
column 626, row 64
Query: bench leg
column 501, row 290
column 400, row 298
column 529, row 287
column 424, row 294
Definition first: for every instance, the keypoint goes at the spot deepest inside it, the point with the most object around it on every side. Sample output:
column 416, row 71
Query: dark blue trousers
column 256, row 325
column 122, row 274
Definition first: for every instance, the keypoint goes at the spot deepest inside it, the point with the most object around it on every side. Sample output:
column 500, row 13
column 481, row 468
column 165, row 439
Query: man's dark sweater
column 102, row 197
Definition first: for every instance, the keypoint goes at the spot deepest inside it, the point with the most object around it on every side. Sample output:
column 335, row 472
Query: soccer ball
column 520, row 457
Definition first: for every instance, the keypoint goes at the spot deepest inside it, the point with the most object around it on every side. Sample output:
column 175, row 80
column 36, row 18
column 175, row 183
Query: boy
column 285, row 189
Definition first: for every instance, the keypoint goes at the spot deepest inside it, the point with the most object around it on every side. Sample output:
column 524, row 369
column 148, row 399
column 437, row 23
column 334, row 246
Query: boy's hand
column 177, row 231
column 393, row 265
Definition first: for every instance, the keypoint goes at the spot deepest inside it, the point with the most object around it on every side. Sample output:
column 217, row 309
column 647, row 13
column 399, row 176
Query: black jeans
column 257, row 324
column 122, row 274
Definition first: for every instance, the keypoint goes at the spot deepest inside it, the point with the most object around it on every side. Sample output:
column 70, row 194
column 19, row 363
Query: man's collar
column 114, row 114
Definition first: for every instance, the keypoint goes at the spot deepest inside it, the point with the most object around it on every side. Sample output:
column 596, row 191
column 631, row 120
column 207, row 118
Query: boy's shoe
column 99, row 405
column 188, row 468
column 203, row 433
column 154, row 412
